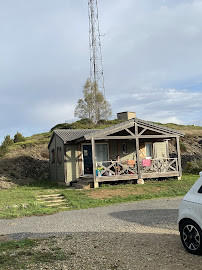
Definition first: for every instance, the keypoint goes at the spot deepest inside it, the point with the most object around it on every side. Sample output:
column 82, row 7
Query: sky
column 152, row 59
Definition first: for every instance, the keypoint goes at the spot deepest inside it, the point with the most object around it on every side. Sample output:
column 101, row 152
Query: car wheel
column 191, row 237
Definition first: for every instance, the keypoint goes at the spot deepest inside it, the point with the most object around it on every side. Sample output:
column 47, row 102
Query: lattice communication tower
column 96, row 66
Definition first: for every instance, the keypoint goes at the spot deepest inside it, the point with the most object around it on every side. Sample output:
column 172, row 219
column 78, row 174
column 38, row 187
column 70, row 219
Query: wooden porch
column 128, row 170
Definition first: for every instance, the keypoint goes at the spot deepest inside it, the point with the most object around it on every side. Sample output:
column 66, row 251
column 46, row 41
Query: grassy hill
column 29, row 160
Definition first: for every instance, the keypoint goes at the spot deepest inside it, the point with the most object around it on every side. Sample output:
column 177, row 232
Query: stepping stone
column 52, row 200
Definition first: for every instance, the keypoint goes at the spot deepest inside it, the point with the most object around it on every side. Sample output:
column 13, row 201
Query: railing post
column 140, row 180
column 179, row 157
column 96, row 184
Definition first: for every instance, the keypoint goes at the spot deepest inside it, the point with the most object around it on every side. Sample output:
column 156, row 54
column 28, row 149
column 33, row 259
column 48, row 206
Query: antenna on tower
column 96, row 67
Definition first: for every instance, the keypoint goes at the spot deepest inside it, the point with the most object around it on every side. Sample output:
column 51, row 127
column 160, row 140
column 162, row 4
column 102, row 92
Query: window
column 59, row 155
column 148, row 147
column 124, row 147
column 101, row 151
column 53, row 156
column 200, row 190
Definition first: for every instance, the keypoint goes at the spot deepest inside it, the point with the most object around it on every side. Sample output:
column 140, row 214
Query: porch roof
column 70, row 135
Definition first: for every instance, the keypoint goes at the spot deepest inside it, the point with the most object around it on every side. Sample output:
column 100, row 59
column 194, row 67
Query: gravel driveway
column 138, row 235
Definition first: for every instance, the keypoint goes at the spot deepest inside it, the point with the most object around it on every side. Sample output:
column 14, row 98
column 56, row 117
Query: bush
column 3, row 150
column 85, row 121
column 193, row 167
column 18, row 138
column 183, row 147
column 8, row 141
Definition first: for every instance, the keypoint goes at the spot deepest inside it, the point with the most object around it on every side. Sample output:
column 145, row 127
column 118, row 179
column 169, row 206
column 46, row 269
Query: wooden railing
column 115, row 168
column 129, row 167
column 161, row 165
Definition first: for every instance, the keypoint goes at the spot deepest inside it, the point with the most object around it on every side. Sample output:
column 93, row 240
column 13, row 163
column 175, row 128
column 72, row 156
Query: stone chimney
column 126, row 115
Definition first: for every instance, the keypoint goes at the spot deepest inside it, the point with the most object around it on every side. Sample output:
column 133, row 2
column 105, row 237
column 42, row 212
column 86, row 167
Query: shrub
column 193, row 167
column 102, row 122
column 183, row 147
column 3, row 150
column 8, row 141
column 85, row 121
column 18, row 138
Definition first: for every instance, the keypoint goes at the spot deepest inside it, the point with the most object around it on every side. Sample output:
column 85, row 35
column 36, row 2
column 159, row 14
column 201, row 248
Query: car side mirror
column 200, row 174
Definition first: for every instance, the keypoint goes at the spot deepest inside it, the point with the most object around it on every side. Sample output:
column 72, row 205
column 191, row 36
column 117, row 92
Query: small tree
column 5, row 144
column 93, row 106
column 18, row 138
column 7, row 140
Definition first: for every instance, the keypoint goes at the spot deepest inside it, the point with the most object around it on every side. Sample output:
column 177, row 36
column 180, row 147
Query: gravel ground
column 138, row 235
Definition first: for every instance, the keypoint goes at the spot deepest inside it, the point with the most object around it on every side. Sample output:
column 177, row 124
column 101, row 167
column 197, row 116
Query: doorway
column 101, row 153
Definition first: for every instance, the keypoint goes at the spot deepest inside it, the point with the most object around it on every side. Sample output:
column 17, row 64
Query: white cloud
column 163, row 105
column 152, row 55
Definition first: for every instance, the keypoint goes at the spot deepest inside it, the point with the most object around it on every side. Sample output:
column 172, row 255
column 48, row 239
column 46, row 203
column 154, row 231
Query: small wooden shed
column 134, row 149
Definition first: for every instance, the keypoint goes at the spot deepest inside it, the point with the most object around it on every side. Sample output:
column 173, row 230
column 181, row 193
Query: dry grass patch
column 125, row 192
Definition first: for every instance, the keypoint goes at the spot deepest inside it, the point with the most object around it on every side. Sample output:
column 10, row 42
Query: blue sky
column 152, row 55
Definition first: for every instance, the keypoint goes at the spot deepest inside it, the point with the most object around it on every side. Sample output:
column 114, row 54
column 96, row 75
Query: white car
column 190, row 218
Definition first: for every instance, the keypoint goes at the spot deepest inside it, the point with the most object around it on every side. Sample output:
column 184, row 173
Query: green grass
column 81, row 199
column 25, row 253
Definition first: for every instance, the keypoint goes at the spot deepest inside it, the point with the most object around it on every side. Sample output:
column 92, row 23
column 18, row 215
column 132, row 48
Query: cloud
column 151, row 56
column 163, row 105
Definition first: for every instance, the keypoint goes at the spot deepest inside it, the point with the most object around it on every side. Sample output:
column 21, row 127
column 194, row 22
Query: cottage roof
column 69, row 135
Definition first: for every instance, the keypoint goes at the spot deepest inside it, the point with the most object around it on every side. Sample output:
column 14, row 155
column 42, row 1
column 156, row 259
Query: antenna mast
column 96, row 67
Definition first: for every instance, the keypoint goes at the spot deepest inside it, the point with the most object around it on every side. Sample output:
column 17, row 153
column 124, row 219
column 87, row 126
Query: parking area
column 138, row 235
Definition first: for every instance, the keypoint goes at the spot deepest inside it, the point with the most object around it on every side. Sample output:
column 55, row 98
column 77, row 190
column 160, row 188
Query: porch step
column 52, row 200
column 83, row 184
column 49, row 196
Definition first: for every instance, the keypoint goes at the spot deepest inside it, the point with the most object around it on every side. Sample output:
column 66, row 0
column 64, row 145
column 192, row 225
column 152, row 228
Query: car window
column 200, row 190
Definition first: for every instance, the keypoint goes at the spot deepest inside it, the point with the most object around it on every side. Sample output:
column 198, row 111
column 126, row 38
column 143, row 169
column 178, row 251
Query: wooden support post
column 65, row 167
column 179, row 157
column 140, row 180
column 94, row 163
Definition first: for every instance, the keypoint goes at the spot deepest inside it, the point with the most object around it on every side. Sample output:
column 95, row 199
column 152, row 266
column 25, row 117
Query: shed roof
column 69, row 135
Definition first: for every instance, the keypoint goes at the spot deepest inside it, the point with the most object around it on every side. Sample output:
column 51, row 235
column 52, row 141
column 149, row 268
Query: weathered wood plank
column 117, row 178
column 139, row 134
column 179, row 156
column 130, row 132
column 160, row 174
column 156, row 136
column 154, row 129
column 137, row 151
column 93, row 159
column 129, row 137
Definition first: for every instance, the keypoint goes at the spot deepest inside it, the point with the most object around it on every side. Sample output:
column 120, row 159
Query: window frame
column 148, row 143
column 53, row 156
column 59, row 155
column 125, row 151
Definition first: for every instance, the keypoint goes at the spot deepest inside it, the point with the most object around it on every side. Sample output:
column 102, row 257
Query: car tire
column 191, row 237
